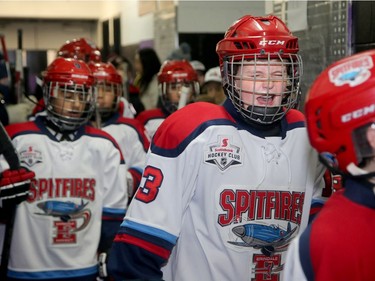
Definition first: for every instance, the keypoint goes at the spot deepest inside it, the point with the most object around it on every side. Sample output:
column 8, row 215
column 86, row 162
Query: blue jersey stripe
column 113, row 211
column 150, row 230
column 40, row 275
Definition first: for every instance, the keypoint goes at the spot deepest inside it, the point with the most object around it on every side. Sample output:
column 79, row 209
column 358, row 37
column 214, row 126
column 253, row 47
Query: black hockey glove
column 15, row 186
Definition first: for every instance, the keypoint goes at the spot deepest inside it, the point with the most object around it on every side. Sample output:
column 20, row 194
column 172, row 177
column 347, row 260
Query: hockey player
column 340, row 122
column 178, row 86
column 226, row 188
column 86, row 50
column 129, row 133
column 80, row 191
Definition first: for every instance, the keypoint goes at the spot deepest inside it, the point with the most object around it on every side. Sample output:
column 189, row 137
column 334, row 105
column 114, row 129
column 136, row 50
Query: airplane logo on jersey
column 268, row 238
column 66, row 211
column 223, row 154
column 30, row 156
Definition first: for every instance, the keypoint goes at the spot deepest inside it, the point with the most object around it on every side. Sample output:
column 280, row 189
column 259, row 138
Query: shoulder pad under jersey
column 187, row 123
column 16, row 129
column 294, row 117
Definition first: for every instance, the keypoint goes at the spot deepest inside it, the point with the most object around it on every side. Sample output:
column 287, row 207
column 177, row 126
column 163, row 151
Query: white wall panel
column 214, row 16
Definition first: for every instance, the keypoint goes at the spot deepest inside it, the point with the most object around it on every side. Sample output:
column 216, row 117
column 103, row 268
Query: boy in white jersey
column 129, row 133
column 226, row 188
column 80, row 191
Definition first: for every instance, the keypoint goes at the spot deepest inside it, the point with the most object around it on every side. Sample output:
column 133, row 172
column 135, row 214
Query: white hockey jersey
column 227, row 200
column 151, row 119
column 133, row 141
column 57, row 230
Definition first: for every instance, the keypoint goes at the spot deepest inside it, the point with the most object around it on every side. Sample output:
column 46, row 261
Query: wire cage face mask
column 69, row 106
column 107, row 90
column 187, row 92
column 263, row 87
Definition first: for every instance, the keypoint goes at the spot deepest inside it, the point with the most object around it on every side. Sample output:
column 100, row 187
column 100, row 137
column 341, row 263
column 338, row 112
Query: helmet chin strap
column 255, row 114
column 264, row 114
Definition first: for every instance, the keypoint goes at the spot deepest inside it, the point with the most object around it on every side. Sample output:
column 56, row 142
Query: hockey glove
column 15, row 186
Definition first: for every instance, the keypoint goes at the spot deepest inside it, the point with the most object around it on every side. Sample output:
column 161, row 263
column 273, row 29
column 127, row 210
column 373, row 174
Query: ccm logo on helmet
column 271, row 42
column 358, row 113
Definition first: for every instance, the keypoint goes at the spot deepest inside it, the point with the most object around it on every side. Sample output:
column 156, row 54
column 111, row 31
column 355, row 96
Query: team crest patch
column 223, row 154
column 352, row 72
column 30, row 156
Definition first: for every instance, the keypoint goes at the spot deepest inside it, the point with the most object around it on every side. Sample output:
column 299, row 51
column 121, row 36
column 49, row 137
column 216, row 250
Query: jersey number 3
column 150, row 189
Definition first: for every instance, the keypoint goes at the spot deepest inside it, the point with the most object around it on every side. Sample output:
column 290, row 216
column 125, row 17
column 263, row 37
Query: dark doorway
column 203, row 46
column 117, row 35
column 105, row 33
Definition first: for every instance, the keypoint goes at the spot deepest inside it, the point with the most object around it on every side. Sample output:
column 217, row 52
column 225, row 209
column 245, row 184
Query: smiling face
column 261, row 84
column 262, row 88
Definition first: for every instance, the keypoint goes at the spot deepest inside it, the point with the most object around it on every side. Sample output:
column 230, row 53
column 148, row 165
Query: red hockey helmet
column 174, row 72
column 80, row 48
column 68, row 81
column 340, row 111
column 257, row 35
column 253, row 41
column 105, row 72
column 109, row 82
column 177, row 71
